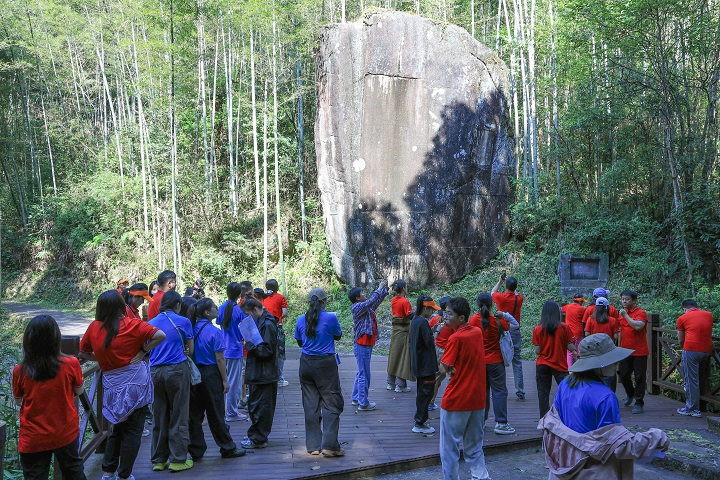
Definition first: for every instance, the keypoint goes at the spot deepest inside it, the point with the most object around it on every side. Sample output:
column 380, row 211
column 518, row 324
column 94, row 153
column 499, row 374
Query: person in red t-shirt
column 633, row 322
column 119, row 344
column 398, row 361
column 167, row 280
column 276, row 304
column 134, row 297
column 694, row 329
column 462, row 417
column 597, row 293
column 552, row 340
column 511, row 302
column 441, row 334
column 494, row 365
column 573, row 318
column 45, row 385
column 601, row 322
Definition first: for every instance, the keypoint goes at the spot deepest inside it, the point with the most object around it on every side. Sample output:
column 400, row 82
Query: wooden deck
column 375, row 442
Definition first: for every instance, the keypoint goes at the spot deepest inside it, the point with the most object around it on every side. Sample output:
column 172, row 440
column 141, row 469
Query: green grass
column 11, row 331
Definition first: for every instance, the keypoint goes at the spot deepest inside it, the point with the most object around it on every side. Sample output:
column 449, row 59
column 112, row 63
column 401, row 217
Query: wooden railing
column 665, row 364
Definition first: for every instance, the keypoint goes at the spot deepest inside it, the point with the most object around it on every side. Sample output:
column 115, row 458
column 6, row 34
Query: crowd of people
column 161, row 361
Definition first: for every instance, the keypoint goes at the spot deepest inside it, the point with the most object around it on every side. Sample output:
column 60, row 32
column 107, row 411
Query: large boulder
column 412, row 148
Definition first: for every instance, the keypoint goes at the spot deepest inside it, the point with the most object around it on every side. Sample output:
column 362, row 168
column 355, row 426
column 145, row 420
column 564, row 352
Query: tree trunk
column 278, row 224
column 254, row 120
column 301, row 148
column 227, row 61
column 265, row 192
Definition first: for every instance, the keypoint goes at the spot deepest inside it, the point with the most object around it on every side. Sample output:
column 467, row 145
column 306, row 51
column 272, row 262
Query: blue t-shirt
column 323, row 343
column 232, row 338
column 207, row 343
column 172, row 350
column 587, row 407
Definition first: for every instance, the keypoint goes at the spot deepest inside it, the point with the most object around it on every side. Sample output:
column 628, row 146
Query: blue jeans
column 469, row 428
column 234, row 368
column 362, row 378
column 496, row 379
column 691, row 371
column 517, row 363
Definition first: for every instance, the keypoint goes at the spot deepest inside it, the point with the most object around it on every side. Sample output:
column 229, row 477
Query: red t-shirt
column 697, row 325
column 612, row 312
column 491, row 337
column 133, row 334
column 573, row 318
column 434, row 320
column 553, row 349
column 465, row 352
column 506, row 303
column 610, row 328
column 154, row 308
column 274, row 304
column 369, row 340
column 130, row 312
column 401, row 307
column 443, row 337
column 635, row 339
column 48, row 416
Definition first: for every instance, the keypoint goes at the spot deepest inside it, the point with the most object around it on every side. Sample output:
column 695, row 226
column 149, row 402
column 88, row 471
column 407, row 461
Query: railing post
column 3, row 439
column 704, row 377
column 655, row 360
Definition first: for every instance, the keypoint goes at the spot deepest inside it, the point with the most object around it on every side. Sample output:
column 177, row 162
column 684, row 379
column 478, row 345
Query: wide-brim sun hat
column 317, row 292
column 598, row 351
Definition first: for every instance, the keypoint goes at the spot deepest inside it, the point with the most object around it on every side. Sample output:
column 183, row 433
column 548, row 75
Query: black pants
column 543, row 378
column 36, row 466
column 322, row 401
column 425, row 391
column 124, row 443
column 207, row 398
column 261, row 407
column 634, row 366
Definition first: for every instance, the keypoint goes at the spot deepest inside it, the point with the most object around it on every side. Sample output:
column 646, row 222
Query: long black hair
column 313, row 315
column 187, row 307
column 233, row 291
column 484, row 303
column 576, row 378
column 202, row 306
column 550, row 318
column 250, row 304
column 170, row 300
column 41, row 349
column 601, row 314
column 109, row 308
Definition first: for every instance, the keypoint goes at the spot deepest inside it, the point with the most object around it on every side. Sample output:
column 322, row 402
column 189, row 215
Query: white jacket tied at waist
column 126, row 389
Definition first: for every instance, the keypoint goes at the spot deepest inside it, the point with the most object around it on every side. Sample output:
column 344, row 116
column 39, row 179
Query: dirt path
column 70, row 323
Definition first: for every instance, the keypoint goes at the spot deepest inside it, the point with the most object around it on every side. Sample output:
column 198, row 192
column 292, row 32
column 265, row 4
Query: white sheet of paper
column 249, row 330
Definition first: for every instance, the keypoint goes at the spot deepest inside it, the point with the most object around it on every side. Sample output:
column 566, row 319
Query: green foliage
column 11, row 331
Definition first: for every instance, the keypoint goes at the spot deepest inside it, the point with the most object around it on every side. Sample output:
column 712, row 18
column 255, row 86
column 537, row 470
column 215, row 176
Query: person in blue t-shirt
column 171, row 378
column 316, row 332
column 229, row 317
column 208, row 396
column 583, row 400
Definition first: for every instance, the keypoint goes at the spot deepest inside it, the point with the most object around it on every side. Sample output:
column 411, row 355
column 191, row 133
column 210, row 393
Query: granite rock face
column 412, row 147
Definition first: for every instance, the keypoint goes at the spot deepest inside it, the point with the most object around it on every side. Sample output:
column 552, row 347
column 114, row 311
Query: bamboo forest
column 142, row 135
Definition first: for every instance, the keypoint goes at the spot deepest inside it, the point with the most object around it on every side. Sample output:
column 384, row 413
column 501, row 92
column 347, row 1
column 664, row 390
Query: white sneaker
column 146, row 432
column 424, row 429
column 283, row 383
column 399, row 389
column 504, row 429
column 390, row 387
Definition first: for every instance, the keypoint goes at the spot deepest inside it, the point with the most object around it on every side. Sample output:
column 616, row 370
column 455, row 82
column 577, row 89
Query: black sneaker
column 233, row 453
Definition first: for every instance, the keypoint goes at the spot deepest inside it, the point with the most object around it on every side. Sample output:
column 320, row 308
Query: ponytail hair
column 601, row 314
column 202, row 306
column 233, row 291
column 484, row 303
column 109, row 308
column 313, row 315
column 398, row 286
column 419, row 307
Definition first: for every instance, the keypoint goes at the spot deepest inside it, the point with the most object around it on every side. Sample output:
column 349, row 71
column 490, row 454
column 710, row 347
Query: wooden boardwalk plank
column 370, row 438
